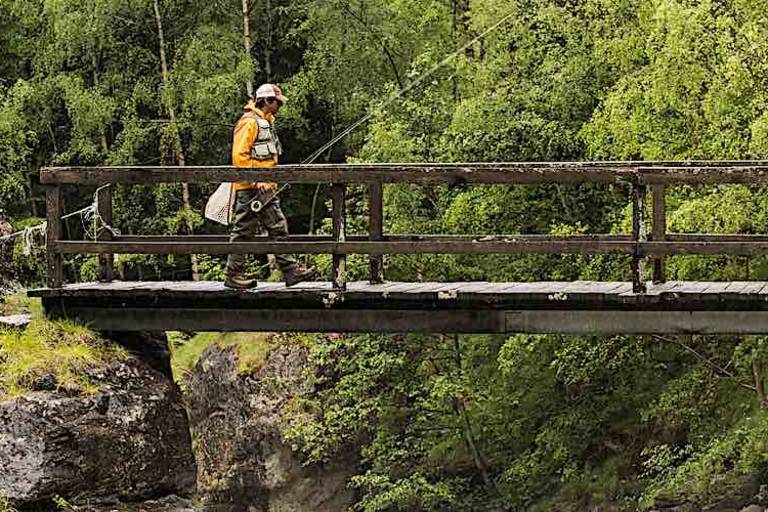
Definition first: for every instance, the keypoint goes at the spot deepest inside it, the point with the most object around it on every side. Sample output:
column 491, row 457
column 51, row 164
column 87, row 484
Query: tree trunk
column 177, row 147
column 757, row 372
column 247, row 43
column 268, row 46
column 95, row 67
column 469, row 437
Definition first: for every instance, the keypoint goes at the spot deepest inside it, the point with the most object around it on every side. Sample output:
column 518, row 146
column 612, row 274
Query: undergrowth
column 60, row 351
column 5, row 504
column 252, row 350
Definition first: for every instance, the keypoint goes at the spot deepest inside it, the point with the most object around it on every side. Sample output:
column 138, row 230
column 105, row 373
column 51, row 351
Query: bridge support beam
column 467, row 321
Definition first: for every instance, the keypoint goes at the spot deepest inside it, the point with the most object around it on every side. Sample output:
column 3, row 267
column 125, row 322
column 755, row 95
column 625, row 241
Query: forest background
column 443, row 423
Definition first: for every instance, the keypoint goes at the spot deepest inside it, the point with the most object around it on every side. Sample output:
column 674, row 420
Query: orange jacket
column 246, row 132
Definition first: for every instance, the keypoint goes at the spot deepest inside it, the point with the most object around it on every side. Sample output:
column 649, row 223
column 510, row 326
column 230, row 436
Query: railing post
column 54, row 212
column 659, row 229
column 639, row 235
column 106, row 261
column 339, row 192
column 376, row 230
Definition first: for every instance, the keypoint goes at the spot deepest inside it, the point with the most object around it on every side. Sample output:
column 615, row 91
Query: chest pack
column 267, row 144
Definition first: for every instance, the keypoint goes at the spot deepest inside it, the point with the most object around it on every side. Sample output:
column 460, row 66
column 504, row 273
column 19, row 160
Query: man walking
column 256, row 145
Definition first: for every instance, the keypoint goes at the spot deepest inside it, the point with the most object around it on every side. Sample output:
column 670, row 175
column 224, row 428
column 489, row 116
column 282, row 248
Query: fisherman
column 256, row 205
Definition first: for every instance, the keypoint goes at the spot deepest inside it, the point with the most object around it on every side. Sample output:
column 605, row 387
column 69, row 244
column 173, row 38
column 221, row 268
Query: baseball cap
column 270, row 91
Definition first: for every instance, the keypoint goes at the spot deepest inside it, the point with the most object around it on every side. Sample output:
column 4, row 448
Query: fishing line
column 392, row 98
column 396, row 95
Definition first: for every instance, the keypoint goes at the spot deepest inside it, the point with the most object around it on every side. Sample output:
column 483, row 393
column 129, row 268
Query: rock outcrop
column 128, row 441
column 243, row 462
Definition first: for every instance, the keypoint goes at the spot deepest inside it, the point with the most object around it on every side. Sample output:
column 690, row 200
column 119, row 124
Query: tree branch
column 711, row 364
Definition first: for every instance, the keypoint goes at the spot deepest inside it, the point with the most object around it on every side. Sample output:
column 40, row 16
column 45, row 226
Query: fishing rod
column 257, row 206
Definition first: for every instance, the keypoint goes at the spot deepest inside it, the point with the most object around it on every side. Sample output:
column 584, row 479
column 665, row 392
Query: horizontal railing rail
column 501, row 173
column 644, row 242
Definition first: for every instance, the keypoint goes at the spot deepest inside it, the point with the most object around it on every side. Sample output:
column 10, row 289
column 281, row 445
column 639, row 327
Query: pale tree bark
column 759, row 375
column 469, row 437
column 247, row 43
column 268, row 46
column 95, row 67
column 178, row 150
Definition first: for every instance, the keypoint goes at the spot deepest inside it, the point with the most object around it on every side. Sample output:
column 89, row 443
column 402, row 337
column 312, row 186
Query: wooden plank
column 637, row 322
column 640, row 235
column 704, row 174
column 451, row 174
column 104, row 204
column 445, row 321
column 694, row 172
column 54, row 233
column 659, row 228
column 707, row 247
column 339, row 195
column 716, row 288
column 427, row 247
column 376, row 229
column 703, row 237
column 411, row 287
column 386, row 238
column 287, row 320
column 753, row 288
column 476, row 287
column 692, row 287
column 736, row 286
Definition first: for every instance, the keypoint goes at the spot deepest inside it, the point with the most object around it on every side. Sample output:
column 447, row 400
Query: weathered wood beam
column 575, row 322
column 704, row 175
column 709, row 247
column 659, row 229
column 383, row 238
column 376, row 230
column 106, row 261
column 339, row 197
column 701, row 173
column 640, row 235
column 54, row 233
column 405, row 247
column 349, row 173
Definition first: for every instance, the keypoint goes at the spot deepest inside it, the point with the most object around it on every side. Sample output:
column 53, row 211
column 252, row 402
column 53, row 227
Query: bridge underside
column 469, row 307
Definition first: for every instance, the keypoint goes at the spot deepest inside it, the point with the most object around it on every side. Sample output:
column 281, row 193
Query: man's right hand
column 266, row 187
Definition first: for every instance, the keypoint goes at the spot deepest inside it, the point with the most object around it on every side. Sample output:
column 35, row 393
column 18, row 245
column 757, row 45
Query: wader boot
column 248, row 225
column 296, row 275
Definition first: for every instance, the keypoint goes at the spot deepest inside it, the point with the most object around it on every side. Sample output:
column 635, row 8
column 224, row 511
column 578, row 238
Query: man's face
column 273, row 105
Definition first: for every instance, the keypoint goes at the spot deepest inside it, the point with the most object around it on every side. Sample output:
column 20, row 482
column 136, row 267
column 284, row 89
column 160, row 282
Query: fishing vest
column 267, row 145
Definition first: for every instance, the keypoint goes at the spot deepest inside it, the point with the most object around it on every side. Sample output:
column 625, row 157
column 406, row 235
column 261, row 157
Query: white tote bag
column 219, row 206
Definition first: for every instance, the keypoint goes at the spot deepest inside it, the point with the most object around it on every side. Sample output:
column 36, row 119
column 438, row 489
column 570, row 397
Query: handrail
column 486, row 173
column 641, row 244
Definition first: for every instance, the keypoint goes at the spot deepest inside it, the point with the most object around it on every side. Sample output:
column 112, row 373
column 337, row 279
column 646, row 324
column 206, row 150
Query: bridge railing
column 645, row 242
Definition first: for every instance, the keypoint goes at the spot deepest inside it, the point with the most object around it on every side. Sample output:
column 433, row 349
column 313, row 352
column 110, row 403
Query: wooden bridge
column 648, row 304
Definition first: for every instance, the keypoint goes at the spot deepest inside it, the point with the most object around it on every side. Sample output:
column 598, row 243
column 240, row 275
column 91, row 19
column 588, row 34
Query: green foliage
column 5, row 504
column 474, row 423
column 252, row 350
column 722, row 468
column 63, row 350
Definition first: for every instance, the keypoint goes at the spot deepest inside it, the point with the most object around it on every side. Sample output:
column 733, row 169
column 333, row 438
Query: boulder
column 129, row 441
column 244, row 463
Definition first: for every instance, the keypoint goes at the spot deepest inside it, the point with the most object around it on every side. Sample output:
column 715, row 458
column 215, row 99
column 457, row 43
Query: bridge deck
column 579, row 307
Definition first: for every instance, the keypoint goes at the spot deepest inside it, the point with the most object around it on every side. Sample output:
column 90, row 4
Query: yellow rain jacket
column 245, row 137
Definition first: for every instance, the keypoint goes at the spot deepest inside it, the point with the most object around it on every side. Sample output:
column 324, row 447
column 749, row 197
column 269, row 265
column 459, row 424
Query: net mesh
column 219, row 206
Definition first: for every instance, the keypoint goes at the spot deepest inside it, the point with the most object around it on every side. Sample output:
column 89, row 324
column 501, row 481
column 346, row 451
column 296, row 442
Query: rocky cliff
column 243, row 462
column 127, row 441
